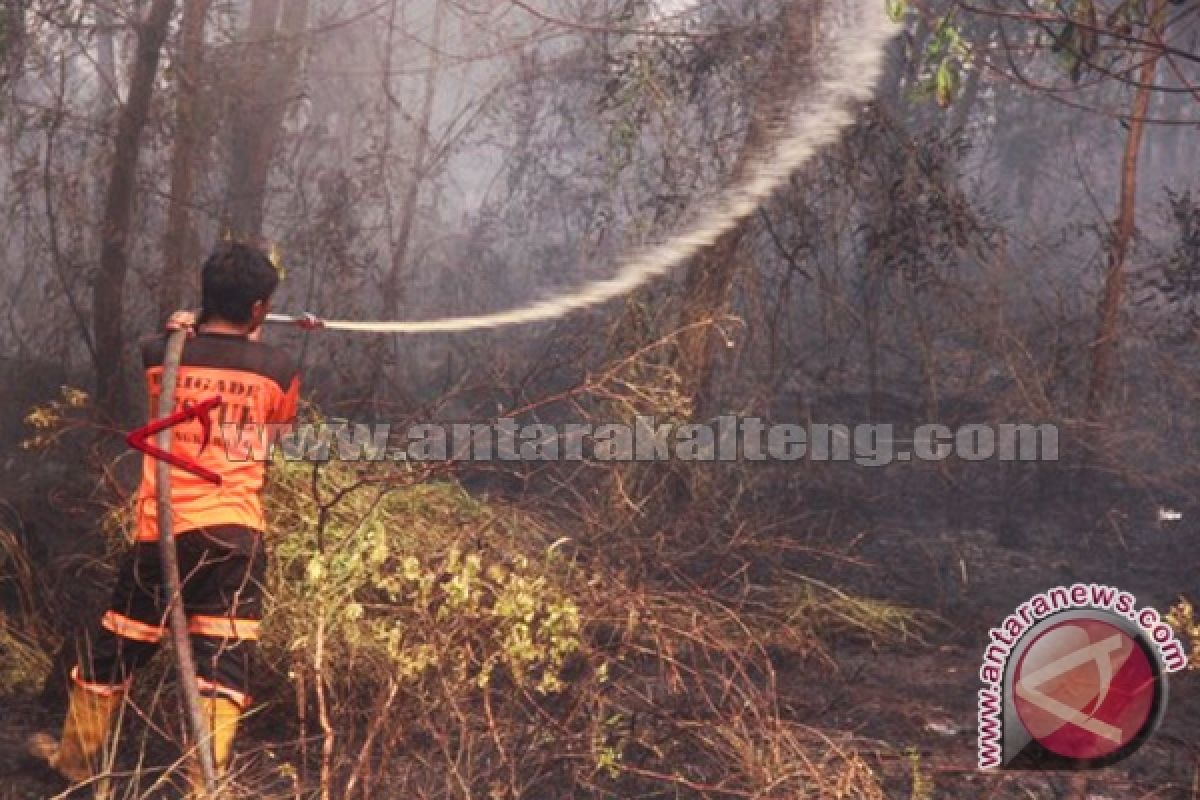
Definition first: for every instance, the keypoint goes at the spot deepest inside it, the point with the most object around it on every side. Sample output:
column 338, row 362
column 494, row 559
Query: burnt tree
column 108, row 286
column 710, row 276
column 268, row 62
column 178, row 241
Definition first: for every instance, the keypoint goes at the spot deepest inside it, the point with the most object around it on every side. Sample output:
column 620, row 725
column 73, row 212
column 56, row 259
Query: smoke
column 852, row 66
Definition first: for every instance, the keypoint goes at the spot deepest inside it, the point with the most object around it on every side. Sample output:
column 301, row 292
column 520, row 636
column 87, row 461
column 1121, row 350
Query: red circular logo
column 1085, row 688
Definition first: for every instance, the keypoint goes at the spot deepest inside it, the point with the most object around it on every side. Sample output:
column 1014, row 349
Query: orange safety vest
column 259, row 387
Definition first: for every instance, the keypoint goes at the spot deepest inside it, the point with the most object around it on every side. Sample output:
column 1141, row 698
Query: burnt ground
column 913, row 703
column 921, row 698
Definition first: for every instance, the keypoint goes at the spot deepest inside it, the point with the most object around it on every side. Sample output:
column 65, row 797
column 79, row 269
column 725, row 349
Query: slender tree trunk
column 177, row 240
column 269, row 66
column 890, row 115
column 247, row 119
column 873, row 282
column 109, row 283
column 106, row 62
column 1105, row 346
column 400, row 230
column 49, row 196
column 393, row 287
column 709, row 280
column 12, row 40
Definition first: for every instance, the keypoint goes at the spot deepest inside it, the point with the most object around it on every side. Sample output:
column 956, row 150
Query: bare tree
column 12, row 39
column 710, row 278
column 402, row 237
column 270, row 57
column 177, row 241
column 1104, row 349
column 108, row 289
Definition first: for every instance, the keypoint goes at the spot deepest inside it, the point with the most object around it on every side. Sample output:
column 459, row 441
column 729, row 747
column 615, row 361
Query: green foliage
column 1075, row 37
column 945, row 57
column 489, row 631
column 399, row 586
column 947, row 54
column 1079, row 39
column 405, row 614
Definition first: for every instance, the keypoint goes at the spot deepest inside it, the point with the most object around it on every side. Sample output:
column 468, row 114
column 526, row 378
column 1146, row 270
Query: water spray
column 850, row 73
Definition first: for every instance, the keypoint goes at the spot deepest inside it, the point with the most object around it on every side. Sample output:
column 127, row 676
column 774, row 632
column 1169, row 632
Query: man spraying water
column 220, row 525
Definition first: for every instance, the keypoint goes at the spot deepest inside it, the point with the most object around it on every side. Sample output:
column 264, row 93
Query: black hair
column 235, row 277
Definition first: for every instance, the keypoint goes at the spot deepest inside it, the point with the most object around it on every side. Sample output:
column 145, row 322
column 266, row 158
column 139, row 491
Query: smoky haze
column 916, row 234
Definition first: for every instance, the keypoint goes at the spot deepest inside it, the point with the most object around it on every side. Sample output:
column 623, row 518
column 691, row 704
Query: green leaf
column 896, row 9
column 946, row 83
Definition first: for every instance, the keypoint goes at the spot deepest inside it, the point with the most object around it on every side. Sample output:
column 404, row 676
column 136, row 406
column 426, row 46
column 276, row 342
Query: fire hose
column 849, row 75
column 185, row 661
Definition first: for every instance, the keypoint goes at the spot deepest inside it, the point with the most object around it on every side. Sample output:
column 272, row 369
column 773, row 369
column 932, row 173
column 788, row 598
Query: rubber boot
column 222, row 716
column 75, row 754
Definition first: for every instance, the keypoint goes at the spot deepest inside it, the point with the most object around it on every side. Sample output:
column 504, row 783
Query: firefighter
column 219, row 528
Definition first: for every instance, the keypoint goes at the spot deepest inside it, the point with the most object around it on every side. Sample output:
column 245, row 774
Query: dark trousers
column 222, row 571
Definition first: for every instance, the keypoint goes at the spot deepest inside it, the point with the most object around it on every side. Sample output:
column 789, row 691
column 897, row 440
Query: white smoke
column 850, row 71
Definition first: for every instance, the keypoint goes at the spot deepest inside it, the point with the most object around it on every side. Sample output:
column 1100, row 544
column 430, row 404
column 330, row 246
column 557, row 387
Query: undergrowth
column 422, row 641
column 450, row 646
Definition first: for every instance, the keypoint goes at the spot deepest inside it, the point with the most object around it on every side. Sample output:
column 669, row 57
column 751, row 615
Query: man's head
column 237, row 284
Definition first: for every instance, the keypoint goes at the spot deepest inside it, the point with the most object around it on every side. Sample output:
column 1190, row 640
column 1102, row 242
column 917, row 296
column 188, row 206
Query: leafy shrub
column 465, row 635
column 410, row 581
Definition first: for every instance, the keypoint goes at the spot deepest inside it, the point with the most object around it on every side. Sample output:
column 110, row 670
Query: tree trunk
column 1105, row 346
column 709, row 280
column 889, row 115
column 108, row 94
column 109, row 284
column 12, row 40
column 393, row 288
column 177, row 251
column 271, row 58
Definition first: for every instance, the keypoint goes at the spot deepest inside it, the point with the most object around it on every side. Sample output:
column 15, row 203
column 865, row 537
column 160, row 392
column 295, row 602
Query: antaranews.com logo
column 1075, row 678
